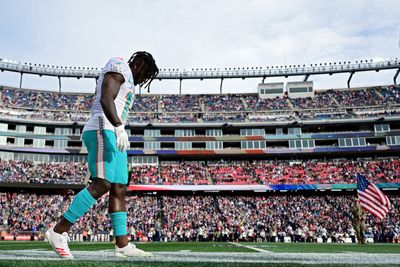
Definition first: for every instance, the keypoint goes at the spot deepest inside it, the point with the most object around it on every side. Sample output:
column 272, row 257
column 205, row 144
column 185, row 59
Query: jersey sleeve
column 117, row 65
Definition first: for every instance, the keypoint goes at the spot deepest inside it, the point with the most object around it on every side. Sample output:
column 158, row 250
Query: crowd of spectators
column 32, row 212
column 268, row 172
column 188, row 172
column 391, row 94
column 177, row 117
column 217, row 108
column 60, row 173
column 181, row 103
column 145, row 174
column 371, row 113
column 223, row 103
column 67, row 116
column 356, row 98
column 3, row 208
column 213, row 218
column 332, row 114
column 15, row 171
column 141, row 117
column 214, row 172
column 85, row 102
column 321, row 100
column 143, row 103
column 263, row 117
column 235, row 172
column 40, row 99
column 24, row 171
column 255, row 103
column 224, row 117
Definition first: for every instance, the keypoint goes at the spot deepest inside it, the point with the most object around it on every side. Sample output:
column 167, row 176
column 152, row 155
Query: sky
column 188, row 34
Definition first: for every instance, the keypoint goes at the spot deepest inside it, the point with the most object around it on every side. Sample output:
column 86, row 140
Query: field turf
column 202, row 254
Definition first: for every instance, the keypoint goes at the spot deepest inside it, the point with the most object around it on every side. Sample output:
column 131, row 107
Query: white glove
column 122, row 138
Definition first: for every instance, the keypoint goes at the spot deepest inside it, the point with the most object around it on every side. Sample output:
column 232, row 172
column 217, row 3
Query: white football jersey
column 123, row 101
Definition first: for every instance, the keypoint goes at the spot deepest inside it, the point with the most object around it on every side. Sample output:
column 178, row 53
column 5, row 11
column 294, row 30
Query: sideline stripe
column 250, row 247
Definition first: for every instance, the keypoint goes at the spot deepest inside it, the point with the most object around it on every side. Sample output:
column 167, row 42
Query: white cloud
column 194, row 34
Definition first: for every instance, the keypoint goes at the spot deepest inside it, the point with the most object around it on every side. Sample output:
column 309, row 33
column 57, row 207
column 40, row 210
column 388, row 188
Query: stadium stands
column 329, row 104
column 268, row 172
column 214, row 172
column 223, row 103
column 390, row 94
column 354, row 98
column 185, row 103
column 15, row 171
column 31, row 212
column 254, row 103
column 145, row 104
column 213, row 218
column 204, row 217
column 321, row 100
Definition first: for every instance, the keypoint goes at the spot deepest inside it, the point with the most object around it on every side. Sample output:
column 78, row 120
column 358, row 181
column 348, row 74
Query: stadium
column 261, row 178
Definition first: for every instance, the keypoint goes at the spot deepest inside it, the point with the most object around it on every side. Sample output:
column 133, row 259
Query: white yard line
column 313, row 259
column 250, row 247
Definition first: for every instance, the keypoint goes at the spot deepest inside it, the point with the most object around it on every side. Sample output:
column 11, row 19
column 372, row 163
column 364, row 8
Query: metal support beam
column 349, row 80
column 306, row 77
column 59, row 84
column 220, row 86
column 180, row 86
column 395, row 76
column 20, row 81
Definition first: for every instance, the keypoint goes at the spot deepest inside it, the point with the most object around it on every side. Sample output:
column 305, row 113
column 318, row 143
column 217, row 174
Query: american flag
column 371, row 198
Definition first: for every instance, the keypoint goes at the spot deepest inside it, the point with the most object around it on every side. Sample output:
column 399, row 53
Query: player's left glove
column 122, row 138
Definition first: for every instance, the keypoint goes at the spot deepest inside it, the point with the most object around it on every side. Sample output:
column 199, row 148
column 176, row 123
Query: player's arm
column 109, row 90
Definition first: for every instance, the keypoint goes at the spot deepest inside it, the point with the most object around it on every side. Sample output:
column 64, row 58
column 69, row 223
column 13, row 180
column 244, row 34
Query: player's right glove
column 122, row 138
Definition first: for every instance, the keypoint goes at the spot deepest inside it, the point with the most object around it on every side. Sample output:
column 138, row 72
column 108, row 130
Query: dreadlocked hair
column 150, row 68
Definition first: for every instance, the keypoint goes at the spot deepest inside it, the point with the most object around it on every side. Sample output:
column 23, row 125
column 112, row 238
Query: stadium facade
column 222, row 145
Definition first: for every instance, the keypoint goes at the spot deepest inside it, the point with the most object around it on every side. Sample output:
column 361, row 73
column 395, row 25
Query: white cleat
column 130, row 250
column 59, row 243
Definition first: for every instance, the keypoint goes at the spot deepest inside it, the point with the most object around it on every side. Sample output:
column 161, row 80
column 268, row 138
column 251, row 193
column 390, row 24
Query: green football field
column 31, row 254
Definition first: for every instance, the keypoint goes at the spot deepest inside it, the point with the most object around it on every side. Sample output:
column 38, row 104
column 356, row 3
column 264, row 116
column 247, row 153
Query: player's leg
column 117, row 210
column 83, row 201
column 100, row 157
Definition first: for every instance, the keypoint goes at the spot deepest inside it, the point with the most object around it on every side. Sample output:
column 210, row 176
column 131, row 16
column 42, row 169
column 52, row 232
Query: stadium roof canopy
column 213, row 73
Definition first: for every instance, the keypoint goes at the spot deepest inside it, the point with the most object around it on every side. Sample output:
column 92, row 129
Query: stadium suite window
column 214, row 132
column 355, row 142
column 301, row 143
column 152, row 145
column 214, row 145
column 393, row 140
column 274, row 91
column 300, row 90
column 183, row 145
column 152, row 133
column 351, row 142
column 294, row 130
column 252, row 132
column 382, row 127
column 185, row 132
column 362, row 141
